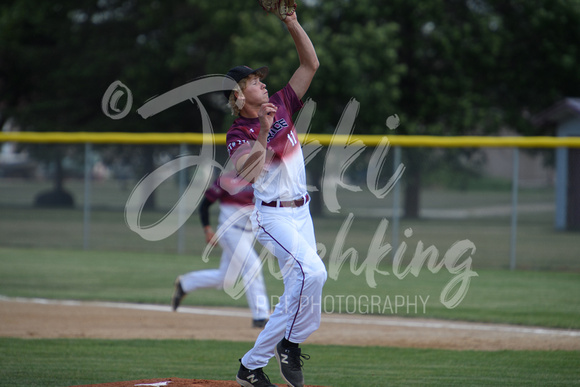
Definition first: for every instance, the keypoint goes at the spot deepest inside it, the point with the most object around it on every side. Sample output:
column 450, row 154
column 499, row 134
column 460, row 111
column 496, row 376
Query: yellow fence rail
column 398, row 141
column 324, row 139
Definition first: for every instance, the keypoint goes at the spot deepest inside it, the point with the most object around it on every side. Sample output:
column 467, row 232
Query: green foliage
column 448, row 67
column 535, row 64
column 358, row 60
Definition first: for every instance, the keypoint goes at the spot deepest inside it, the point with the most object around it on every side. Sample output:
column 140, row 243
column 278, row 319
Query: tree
column 57, row 59
column 447, row 67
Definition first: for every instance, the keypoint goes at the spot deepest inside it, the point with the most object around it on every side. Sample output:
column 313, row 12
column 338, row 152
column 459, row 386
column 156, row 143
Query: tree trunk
column 412, row 193
column 412, row 178
column 58, row 197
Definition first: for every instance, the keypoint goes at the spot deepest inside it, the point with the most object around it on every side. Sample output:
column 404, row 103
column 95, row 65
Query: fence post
column 87, row 197
column 514, row 227
column 396, row 200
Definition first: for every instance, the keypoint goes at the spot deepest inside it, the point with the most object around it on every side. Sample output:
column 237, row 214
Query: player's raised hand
column 290, row 18
column 266, row 115
column 281, row 8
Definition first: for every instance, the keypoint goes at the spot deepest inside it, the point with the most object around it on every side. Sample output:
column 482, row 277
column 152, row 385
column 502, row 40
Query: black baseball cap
column 240, row 72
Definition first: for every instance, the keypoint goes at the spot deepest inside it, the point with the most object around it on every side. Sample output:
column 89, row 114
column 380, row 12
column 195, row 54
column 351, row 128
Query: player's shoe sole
column 259, row 323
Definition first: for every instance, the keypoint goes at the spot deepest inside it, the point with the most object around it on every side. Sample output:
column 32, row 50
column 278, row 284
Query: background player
column 264, row 147
column 238, row 257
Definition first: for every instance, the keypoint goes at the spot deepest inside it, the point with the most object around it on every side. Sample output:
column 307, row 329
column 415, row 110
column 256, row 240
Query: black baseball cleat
column 253, row 378
column 178, row 294
column 261, row 323
column 291, row 362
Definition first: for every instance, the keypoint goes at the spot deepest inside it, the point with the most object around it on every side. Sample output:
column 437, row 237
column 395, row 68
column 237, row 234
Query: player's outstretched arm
column 302, row 77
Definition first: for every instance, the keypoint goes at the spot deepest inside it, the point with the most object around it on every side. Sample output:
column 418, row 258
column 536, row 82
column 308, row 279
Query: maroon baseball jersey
column 230, row 190
column 283, row 176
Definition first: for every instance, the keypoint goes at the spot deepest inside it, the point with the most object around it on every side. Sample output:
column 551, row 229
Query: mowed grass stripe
column 66, row 362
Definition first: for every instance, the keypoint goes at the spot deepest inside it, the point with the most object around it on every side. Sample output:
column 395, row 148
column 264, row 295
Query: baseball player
column 263, row 146
column 236, row 200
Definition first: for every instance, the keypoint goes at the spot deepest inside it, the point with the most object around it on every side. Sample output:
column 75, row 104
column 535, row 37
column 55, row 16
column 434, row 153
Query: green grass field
column 539, row 245
column 41, row 255
column 547, row 299
column 68, row 362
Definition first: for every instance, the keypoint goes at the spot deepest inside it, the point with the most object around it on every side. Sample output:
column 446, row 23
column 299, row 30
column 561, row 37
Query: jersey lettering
column 292, row 138
column 278, row 126
column 234, row 144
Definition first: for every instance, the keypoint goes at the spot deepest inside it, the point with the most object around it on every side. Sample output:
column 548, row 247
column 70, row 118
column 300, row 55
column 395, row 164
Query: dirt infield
column 33, row 318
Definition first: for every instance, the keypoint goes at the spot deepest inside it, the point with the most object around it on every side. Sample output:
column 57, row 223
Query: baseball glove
column 280, row 8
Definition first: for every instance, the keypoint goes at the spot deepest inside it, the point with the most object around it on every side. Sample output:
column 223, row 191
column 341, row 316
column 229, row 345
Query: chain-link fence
column 417, row 202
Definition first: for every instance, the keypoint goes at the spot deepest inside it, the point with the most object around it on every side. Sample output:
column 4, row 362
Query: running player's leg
column 210, row 278
column 244, row 273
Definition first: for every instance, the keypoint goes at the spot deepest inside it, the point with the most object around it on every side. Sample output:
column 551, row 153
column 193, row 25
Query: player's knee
column 322, row 275
column 316, row 277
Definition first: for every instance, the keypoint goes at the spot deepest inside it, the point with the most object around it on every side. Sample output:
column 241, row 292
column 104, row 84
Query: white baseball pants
column 289, row 234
